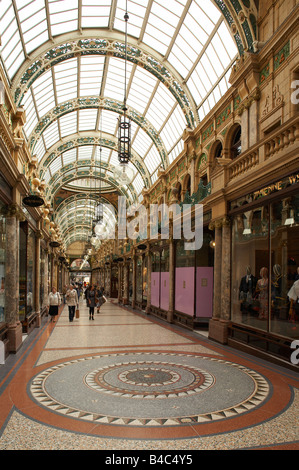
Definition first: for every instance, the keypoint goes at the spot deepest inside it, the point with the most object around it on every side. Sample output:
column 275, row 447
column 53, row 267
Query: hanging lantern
column 124, row 124
column 124, row 139
column 123, row 174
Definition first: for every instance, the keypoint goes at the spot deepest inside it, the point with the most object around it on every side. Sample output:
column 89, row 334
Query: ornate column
column 14, row 333
column 45, row 281
column 126, row 283
column 149, row 278
column 120, row 275
column 218, row 326
column 38, row 280
column 217, row 225
column 171, row 280
column 134, row 259
column 226, row 270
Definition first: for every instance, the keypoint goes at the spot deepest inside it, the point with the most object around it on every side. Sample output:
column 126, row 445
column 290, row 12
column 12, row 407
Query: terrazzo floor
column 126, row 381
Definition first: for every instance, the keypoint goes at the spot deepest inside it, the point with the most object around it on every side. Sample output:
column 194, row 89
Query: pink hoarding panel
column 184, row 290
column 155, row 289
column 164, row 298
column 204, row 292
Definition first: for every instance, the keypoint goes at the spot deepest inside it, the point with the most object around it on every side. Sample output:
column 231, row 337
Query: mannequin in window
column 276, row 291
column 262, row 291
column 293, row 295
column 247, row 290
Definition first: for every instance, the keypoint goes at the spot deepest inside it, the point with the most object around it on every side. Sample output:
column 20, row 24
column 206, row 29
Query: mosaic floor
column 127, row 381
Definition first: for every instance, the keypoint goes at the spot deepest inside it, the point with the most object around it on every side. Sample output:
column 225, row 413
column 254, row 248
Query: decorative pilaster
column 120, row 277
column 217, row 225
column 126, row 283
column 226, row 270
column 149, row 278
column 14, row 333
column 134, row 259
column 218, row 326
column 170, row 312
column 38, row 237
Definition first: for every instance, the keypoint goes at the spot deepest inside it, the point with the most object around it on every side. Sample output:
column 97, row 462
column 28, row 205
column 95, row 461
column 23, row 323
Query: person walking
column 92, row 301
column 54, row 300
column 72, row 301
column 100, row 296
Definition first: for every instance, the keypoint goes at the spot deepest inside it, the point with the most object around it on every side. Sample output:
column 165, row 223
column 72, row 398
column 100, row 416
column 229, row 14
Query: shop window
column 284, row 318
column 265, row 268
column 236, row 147
column 250, row 269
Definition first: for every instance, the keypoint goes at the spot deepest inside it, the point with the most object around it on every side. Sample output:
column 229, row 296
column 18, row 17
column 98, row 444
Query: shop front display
column 265, row 254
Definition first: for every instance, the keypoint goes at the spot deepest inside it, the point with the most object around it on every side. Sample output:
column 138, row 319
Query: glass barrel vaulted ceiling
column 65, row 62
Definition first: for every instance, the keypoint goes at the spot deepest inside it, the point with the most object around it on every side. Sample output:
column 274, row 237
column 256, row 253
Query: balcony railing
column 267, row 148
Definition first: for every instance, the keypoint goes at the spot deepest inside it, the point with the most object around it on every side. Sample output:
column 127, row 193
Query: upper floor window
column 236, row 147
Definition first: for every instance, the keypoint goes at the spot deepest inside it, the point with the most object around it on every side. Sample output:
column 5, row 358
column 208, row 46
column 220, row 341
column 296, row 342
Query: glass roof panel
column 68, row 124
column 63, row 16
column 85, row 152
column 87, row 119
column 104, row 156
column 173, row 129
column 69, row 157
column 189, row 37
column 51, row 135
column 95, row 13
column 66, row 77
column 136, row 11
column 31, row 118
column 44, row 93
column 40, row 149
column 115, row 87
column 11, row 44
column 152, row 160
column 108, row 123
column 91, row 75
column 160, row 106
column 142, row 142
column 176, row 151
column 55, row 166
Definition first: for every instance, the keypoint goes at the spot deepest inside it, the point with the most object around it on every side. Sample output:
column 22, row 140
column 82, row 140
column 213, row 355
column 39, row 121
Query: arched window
column 236, row 147
column 188, row 184
column 179, row 193
column 218, row 150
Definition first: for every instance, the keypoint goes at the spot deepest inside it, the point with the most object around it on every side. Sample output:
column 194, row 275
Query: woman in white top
column 53, row 303
column 72, row 301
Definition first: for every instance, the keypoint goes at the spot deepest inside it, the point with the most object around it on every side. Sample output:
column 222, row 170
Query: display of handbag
column 77, row 313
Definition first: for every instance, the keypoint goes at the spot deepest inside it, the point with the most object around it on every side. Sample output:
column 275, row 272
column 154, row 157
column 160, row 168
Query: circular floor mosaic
column 153, row 389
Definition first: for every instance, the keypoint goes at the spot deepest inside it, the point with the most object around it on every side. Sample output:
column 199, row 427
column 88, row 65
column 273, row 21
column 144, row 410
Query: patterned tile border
column 259, row 395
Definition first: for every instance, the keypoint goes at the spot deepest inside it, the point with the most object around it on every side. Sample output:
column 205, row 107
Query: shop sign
column 266, row 191
column 272, row 188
